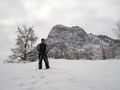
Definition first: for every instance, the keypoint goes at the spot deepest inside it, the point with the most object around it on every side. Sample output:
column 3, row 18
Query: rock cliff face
column 74, row 43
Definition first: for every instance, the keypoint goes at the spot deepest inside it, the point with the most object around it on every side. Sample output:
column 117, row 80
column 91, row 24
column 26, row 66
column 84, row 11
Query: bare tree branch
column 24, row 43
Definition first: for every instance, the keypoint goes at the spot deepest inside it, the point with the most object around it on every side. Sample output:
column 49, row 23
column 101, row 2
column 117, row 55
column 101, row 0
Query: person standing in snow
column 42, row 54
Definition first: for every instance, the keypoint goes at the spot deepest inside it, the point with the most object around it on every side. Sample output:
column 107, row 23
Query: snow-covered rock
column 75, row 43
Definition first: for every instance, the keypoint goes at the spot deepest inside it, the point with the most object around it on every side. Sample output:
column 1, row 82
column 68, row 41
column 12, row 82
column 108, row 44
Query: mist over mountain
column 74, row 43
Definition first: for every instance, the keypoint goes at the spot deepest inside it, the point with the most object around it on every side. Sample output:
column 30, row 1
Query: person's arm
column 47, row 50
column 38, row 47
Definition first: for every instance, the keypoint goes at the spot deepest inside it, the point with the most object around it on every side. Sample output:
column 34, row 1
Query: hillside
column 74, row 43
column 63, row 75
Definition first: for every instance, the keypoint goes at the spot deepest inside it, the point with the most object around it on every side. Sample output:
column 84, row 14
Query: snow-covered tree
column 25, row 42
column 103, row 54
column 116, row 48
column 117, row 29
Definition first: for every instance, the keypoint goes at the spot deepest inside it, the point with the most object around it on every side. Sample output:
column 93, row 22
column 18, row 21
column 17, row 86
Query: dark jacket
column 42, row 48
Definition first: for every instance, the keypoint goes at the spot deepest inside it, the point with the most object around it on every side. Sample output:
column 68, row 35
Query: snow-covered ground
column 63, row 75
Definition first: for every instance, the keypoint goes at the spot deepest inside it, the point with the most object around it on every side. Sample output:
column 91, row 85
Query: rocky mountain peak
column 74, row 43
column 62, row 30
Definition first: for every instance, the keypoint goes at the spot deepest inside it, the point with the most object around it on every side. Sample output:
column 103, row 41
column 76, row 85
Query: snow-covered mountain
column 75, row 43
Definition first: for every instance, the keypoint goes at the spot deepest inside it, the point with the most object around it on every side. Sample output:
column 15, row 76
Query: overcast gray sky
column 94, row 16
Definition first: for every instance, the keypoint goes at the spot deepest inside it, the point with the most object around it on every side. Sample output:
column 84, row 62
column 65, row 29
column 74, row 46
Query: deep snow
column 63, row 75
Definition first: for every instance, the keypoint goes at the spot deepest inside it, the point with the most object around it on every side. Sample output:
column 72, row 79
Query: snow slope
column 63, row 75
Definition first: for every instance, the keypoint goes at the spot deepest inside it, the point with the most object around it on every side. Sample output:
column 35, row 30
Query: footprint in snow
column 21, row 84
column 30, row 88
column 15, row 78
column 72, row 80
column 34, row 82
column 42, row 76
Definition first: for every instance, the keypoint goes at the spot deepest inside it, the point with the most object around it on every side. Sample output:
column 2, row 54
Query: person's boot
column 40, row 66
column 47, row 67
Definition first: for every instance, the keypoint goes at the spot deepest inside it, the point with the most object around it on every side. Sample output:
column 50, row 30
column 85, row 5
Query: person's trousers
column 41, row 58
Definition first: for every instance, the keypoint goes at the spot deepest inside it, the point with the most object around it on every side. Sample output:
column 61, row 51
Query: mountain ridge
column 74, row 43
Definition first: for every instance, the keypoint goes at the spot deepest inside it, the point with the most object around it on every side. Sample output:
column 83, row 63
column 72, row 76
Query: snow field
column 63, row 75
